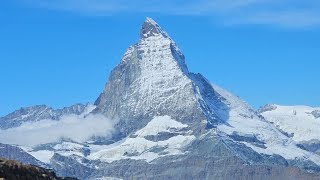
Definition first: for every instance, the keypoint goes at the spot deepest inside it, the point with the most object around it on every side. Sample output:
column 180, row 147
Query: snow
column 160, row 124
column 65, row 149
column 139, row 147
column 89, row 108
column 68, row 146
column 106, row 178
column 159, row 68
column 243, row 121
column 158, row 63
column 69, row 149
column 296, row 120
column 151, row 28
column 43, row 155
column 160, row 79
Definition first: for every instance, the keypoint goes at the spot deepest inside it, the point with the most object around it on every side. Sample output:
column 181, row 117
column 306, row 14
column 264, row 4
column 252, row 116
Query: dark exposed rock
column 248, row 138
column 69, row 166
column 268, row 107
column 316, row 113
column 161, row 136
column 313, row 145
column 13, row 170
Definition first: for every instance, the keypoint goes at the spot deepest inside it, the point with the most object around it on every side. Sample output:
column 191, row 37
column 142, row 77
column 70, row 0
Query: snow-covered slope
column 246, row 126
column 300, row 123
column 162, row 136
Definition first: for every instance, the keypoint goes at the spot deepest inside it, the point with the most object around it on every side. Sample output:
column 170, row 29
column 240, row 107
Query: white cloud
column 73, row 127
column 283, row 13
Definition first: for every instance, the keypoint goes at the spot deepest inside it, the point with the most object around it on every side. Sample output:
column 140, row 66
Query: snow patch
column 69, row 149
column 296, row 120
column 141, row 148
column 160, row 124
column 43, row 155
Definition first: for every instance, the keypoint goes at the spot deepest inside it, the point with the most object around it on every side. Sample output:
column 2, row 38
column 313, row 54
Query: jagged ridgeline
column 171, row 124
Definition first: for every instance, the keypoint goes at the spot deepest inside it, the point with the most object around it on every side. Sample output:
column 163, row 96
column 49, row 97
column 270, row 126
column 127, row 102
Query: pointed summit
column 151, row 80
column 151, row 28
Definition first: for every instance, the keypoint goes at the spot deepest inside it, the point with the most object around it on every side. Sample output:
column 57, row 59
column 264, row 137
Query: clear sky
column 60, row 52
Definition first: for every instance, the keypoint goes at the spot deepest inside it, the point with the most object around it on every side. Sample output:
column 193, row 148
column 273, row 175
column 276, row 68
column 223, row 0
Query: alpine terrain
column 170, row 123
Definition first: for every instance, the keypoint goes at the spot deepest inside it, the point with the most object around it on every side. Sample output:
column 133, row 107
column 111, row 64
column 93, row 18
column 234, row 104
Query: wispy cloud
column 282, row 13
column 73, row 127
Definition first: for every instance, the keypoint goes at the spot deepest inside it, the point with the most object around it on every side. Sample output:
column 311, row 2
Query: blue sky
column 60, row 52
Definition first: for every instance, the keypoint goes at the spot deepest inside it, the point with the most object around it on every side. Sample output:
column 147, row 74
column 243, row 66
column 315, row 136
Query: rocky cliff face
column 174, row 124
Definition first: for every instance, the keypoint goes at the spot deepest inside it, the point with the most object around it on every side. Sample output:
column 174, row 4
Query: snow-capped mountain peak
column 151, row 28
column 152, row 79
column 152, row 33
column 172, row 124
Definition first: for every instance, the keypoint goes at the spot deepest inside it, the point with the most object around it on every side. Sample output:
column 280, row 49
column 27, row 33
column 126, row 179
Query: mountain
column 40, row 112
column 151, row 80
column 173, row 124
column 300, row 123
column 16, row 153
